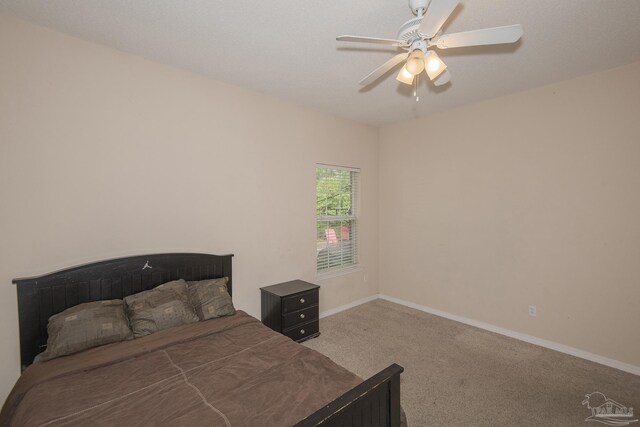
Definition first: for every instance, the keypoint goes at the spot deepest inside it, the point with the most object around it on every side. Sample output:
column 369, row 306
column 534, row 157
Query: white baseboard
column 348, row 306
column 520, row 336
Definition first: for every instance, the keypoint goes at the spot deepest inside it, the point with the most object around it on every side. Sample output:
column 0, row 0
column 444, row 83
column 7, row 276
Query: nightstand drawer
column 300, row 332
column 303, row 316
column 299, row 301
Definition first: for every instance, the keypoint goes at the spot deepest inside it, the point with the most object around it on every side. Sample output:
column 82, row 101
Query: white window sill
column 344, row 271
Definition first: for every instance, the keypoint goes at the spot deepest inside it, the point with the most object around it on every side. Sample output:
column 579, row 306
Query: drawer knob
column 301, row 331
column 301, row 300
column 302, row 315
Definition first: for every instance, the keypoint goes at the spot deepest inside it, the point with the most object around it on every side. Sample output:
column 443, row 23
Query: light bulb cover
column 442, row 79
column 434, row 65
column 415, row 62
column 405, row 76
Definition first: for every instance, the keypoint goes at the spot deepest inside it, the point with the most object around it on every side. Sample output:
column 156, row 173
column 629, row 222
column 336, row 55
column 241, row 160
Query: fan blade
column 443, row 78
column 376, row 40
column 497, row 35
column 384, row 68
column 437, row 14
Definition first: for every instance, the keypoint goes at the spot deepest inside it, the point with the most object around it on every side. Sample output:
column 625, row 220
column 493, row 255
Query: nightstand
column 291, row 308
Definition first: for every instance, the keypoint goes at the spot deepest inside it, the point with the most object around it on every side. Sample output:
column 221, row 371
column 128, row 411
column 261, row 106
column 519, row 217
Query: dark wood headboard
column 43, row 296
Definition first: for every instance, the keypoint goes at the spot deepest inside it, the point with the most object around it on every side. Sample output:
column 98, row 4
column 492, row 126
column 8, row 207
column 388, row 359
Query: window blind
column 337, row 214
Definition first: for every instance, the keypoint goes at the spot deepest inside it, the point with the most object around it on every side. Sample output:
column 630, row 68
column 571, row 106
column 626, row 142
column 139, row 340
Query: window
column 336, row 217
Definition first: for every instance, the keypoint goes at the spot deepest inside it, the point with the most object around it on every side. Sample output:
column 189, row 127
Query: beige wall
column 104, row 154
column 528, row 199
column 532, row 198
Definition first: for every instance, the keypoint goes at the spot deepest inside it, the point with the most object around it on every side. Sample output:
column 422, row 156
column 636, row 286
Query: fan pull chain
column 415, row 89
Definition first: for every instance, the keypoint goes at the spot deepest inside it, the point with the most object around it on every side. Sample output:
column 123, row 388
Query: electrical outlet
column 533, row 311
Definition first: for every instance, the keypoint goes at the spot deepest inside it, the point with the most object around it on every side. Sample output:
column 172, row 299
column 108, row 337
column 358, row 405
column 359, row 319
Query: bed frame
column 375, row 402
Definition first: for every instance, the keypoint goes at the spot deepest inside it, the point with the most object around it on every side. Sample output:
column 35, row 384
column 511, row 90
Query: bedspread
column 231, row 371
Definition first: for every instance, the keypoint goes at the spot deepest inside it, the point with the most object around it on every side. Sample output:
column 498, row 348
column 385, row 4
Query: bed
column 229, row 371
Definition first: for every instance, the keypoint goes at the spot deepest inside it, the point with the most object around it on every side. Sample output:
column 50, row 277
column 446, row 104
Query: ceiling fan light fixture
column 435, row 66
column 415, row 63
column 404, row 76
column 416, row 36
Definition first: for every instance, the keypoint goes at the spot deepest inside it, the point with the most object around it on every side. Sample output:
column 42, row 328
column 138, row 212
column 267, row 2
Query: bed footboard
column 375, row 402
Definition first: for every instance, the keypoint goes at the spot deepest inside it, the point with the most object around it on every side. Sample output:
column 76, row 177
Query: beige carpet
column 458, row 375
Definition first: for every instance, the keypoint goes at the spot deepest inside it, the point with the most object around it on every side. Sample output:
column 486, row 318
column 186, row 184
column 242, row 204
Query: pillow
column 210, row 298
column 86, row 325
column 160, row 308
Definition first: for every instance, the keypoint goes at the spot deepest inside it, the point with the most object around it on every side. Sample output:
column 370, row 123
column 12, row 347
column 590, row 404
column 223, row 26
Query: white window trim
column 344, row 269
column 332, row 273
column 345, row 168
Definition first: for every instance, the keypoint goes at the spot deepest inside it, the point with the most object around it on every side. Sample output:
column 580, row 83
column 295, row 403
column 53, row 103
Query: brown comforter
column 231, row 371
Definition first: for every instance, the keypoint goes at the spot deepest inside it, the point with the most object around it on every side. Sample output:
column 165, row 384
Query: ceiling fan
column 420, row 35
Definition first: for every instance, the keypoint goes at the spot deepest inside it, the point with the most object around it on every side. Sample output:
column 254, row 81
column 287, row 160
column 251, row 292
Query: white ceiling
column 287, row 48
